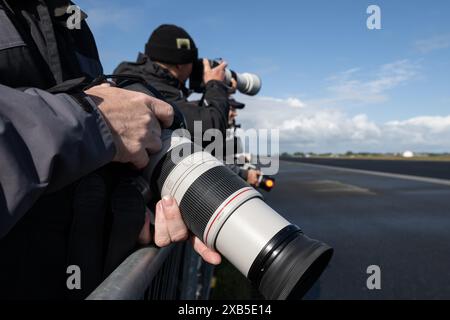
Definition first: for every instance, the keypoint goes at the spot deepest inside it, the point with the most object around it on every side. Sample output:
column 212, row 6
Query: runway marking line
column 443, row 182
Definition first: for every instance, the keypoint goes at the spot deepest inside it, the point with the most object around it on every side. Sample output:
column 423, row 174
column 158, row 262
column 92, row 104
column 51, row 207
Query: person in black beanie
column 167, row 64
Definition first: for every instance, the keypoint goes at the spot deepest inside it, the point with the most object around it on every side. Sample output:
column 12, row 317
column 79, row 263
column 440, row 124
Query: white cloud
column 348, row 87
column 435, row 125
column 425, row 131
column 321, row 125
column 291, row 102
column 106, row 17
column 332, row 130
column 432, row 44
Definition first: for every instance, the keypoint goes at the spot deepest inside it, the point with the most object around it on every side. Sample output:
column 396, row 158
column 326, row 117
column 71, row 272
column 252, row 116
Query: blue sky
column 329, row 83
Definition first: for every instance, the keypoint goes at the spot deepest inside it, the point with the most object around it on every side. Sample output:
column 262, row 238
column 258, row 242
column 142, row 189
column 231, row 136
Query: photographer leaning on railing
column 58, row 195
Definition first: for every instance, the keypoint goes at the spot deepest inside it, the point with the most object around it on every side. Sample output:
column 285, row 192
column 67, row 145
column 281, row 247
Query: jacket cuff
column 89, row 106
column 217, row 86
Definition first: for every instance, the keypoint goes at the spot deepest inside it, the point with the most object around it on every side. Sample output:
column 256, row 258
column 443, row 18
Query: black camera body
column 247, row 83
column 196, row 83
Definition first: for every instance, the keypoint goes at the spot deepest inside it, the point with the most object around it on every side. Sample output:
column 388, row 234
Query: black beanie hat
column 171, row 44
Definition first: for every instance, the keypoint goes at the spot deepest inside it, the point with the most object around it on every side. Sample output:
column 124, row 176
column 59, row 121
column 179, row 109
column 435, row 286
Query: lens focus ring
column 206, row 194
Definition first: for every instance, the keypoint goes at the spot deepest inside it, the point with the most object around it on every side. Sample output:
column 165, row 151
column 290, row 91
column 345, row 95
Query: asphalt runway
column 432, row 169
column 399, row 223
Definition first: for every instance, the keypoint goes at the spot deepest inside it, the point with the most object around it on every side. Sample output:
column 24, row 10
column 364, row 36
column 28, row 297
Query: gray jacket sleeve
column 46, row 142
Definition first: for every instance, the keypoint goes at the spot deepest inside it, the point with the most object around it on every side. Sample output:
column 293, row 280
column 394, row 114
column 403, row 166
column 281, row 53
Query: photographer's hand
column 134, row 119
column 233, row 86
column 253, row 177
column 170, row 227
column 217, row 73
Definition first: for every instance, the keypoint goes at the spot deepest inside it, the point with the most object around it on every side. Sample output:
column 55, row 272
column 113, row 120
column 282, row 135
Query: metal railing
column 174, row 272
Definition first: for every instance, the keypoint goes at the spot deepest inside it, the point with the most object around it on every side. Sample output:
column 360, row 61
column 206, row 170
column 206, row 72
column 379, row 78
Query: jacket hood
column 151, row 72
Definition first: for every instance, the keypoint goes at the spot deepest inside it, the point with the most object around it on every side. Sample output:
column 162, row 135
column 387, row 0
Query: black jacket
column 47, row 143
column 212, row 110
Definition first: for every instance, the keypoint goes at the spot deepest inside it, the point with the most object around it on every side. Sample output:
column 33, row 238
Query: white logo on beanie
column 183, row 43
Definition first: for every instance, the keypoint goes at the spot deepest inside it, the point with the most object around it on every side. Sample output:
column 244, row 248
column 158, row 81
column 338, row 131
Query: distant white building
column 408, row 154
